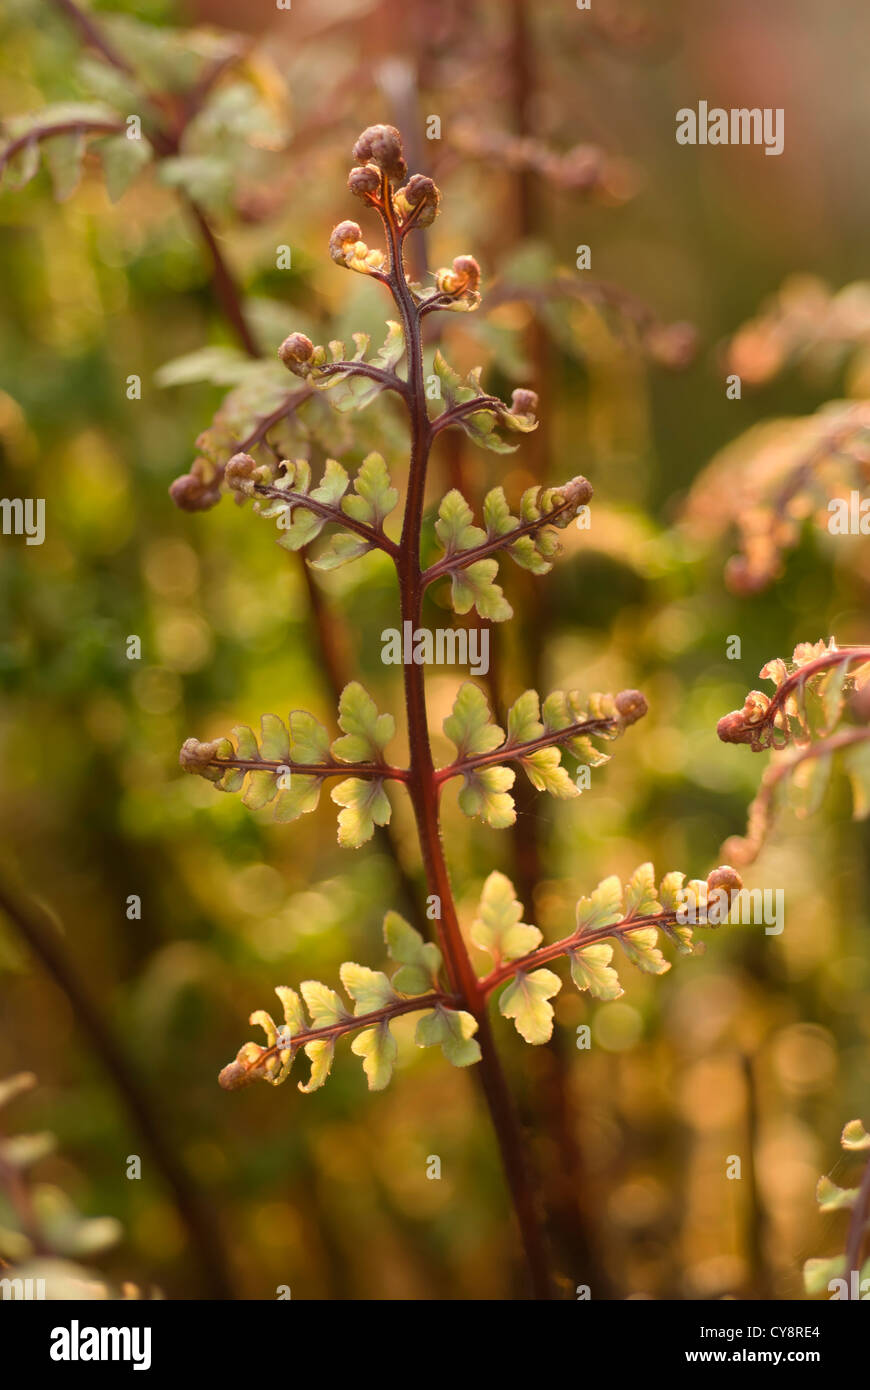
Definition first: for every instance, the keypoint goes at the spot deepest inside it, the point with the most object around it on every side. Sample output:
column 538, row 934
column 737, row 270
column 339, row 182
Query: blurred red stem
column 42, row 937
column 225, row 287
